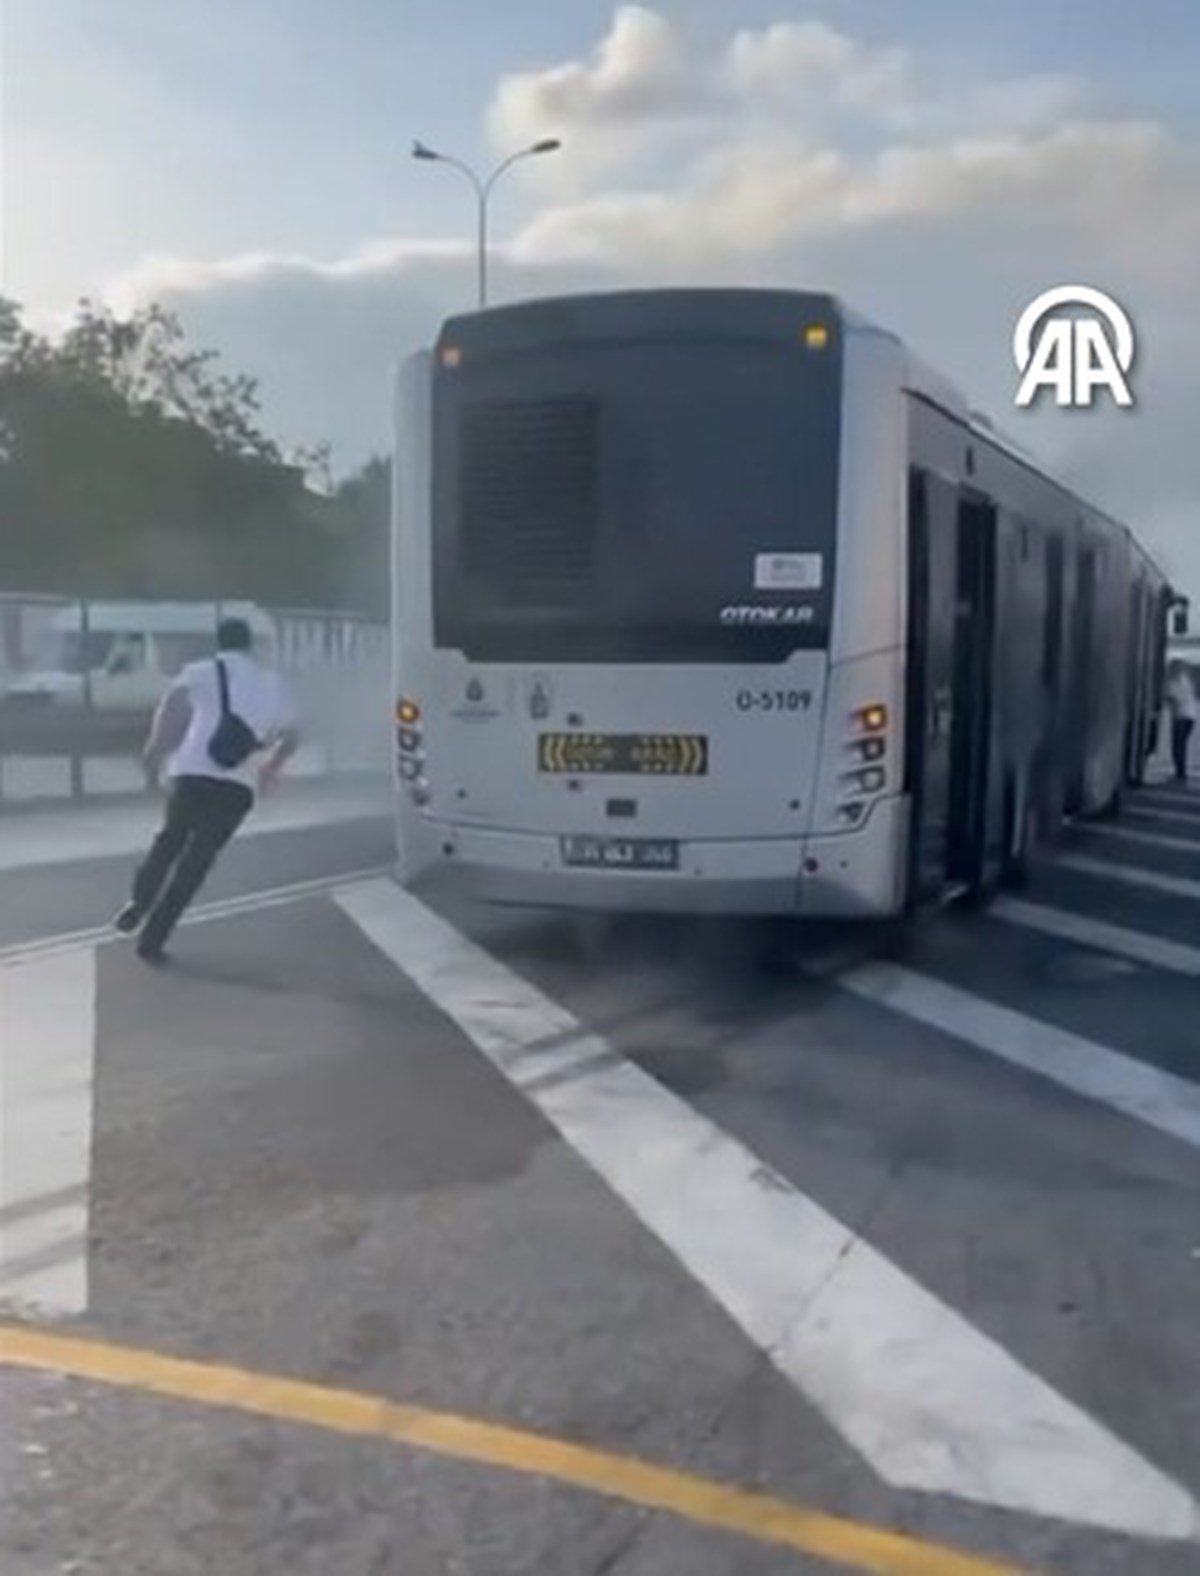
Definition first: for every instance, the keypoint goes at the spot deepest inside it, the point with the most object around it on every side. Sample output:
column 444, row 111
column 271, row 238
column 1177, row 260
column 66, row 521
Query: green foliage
column 131, row 464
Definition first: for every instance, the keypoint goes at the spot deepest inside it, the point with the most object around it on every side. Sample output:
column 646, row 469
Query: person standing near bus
column 236, row 727
column 1181, row 703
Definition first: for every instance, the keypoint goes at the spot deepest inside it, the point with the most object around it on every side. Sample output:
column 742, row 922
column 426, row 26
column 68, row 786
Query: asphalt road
column 475, row 1164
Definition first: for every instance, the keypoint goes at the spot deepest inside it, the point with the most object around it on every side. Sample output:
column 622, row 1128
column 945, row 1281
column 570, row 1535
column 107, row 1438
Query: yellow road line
column 872, row 1551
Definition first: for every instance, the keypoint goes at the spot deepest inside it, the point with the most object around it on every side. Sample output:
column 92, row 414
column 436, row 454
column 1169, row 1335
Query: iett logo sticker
column 1076, row 356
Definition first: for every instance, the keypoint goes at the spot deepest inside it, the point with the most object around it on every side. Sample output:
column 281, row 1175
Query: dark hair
column 234, row 634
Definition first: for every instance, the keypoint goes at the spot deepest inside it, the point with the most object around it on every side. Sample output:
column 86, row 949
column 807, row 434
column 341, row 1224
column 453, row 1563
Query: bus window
column 619, row 501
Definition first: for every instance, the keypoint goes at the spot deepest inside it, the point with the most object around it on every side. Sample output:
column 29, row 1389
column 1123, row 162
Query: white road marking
column 1130, row 875
column 1129, row 834
column 1165, row 808
column 1135, row 944
column 930, row 1402
column 203, row 913
column 47, row 1053
column 1168, row 787
column 1136, row 1089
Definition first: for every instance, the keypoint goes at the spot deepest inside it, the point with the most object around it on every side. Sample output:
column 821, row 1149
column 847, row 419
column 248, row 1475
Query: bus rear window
column 636, row 502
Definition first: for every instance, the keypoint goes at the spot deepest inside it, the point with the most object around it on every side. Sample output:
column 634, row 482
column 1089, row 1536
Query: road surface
column 381, row 1237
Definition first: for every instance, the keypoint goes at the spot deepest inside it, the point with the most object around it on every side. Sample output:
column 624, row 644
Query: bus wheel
column 1016, row 871
column 776, row 946
column 1021, row 837
column 895, row 939
column 1113, row 807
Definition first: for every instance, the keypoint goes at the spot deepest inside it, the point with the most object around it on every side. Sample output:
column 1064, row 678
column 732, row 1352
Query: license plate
column 633, row 754
column 620, row 853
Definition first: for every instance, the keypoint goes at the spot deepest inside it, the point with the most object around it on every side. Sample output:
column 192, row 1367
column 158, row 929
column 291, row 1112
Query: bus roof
column 737, row 311
column 703, row 311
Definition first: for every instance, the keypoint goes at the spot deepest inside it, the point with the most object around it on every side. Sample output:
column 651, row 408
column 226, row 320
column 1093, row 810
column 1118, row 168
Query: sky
column 935, row 164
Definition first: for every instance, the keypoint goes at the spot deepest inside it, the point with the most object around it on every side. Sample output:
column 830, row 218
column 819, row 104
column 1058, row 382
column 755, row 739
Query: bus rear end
column 616, row 557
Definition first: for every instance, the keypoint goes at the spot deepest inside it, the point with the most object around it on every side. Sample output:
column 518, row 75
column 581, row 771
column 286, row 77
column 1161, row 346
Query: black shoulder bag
column 233, row 740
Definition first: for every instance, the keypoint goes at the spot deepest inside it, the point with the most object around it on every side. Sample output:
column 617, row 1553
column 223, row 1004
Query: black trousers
column 1181, row 736
column 202, row 815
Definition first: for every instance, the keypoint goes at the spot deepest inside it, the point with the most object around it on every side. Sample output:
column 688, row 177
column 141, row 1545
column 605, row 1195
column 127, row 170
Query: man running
column 238, row 729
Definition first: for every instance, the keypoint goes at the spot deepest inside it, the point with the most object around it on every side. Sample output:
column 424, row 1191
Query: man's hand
column 268, row 775
column 283, row 747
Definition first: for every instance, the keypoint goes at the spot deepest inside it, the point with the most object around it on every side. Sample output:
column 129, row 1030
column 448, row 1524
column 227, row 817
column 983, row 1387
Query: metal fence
column 79, row 681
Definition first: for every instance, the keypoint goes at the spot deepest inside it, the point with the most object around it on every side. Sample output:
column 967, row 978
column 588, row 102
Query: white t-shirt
column 1181, row 697
column 258, row 695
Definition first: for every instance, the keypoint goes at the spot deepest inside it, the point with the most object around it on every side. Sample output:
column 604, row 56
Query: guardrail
column 64, row 734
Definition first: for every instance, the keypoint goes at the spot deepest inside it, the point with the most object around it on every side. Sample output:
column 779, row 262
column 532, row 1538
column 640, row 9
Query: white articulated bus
column 718, row 601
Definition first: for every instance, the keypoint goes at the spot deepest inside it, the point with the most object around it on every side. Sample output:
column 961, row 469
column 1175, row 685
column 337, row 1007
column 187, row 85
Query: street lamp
column 483, row 189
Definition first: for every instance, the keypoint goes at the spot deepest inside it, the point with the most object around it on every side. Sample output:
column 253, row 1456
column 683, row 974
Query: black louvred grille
column 529, row 479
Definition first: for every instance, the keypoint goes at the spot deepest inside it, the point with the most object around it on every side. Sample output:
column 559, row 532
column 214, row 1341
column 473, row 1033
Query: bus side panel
column 870, row 605
column 1109, row 704
column 867, row 639
column 411, row 586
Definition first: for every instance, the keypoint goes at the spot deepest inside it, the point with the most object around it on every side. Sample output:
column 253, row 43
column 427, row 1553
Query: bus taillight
column 867, row 777
column 870, row 749
column 410, row 751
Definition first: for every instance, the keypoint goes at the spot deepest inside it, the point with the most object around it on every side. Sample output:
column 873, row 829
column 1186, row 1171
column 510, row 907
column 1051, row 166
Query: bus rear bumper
column 845, row 877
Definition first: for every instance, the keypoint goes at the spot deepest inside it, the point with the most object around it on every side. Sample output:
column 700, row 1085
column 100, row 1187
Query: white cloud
column 183, row 279
column 639, row 71
column 1125, row 188
column 795, row 60
column 640, row 78
column 324, row 337
column 647, row 84
column 941, row 223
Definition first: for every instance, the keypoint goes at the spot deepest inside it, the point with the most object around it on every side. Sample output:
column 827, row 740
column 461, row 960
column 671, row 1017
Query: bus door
column 1076, row 721
column 1048, row 785
column 1135, row 649
column 970, row 852
column 932, row 579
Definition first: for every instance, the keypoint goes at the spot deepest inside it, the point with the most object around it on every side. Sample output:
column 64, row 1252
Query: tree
column 363, row 504
column 131, row 463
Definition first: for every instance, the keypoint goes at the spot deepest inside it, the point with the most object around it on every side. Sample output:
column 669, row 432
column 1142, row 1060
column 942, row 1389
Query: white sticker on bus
column 788, row 571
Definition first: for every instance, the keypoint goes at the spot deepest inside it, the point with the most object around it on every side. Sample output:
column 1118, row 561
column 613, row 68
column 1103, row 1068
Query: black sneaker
column 154, row 957
column 128, row 920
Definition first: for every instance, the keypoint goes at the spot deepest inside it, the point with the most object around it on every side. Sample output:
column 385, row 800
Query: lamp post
column 483, row 190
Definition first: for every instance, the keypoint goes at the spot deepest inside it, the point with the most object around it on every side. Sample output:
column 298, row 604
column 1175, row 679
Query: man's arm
column 168, row 727
column 284, row 743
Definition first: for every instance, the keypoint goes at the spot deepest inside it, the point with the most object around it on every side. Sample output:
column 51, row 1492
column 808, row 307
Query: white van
column 124, row 655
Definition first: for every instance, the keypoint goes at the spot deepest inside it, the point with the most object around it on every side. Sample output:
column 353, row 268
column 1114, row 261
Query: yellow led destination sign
column 634, row 754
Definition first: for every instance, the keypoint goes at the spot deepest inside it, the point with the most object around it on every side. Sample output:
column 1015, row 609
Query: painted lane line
column 203, row 913
column 1131, row 875
column 1096, row 933
column 930, row 1402
column 1128, row 834
column 758, row 1518
column 1168, row 791
column 1135, row 1089
column 47, row 1055
column 1162, row 810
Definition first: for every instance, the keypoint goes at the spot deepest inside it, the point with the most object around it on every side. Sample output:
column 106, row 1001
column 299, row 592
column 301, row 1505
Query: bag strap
column 223, row 685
